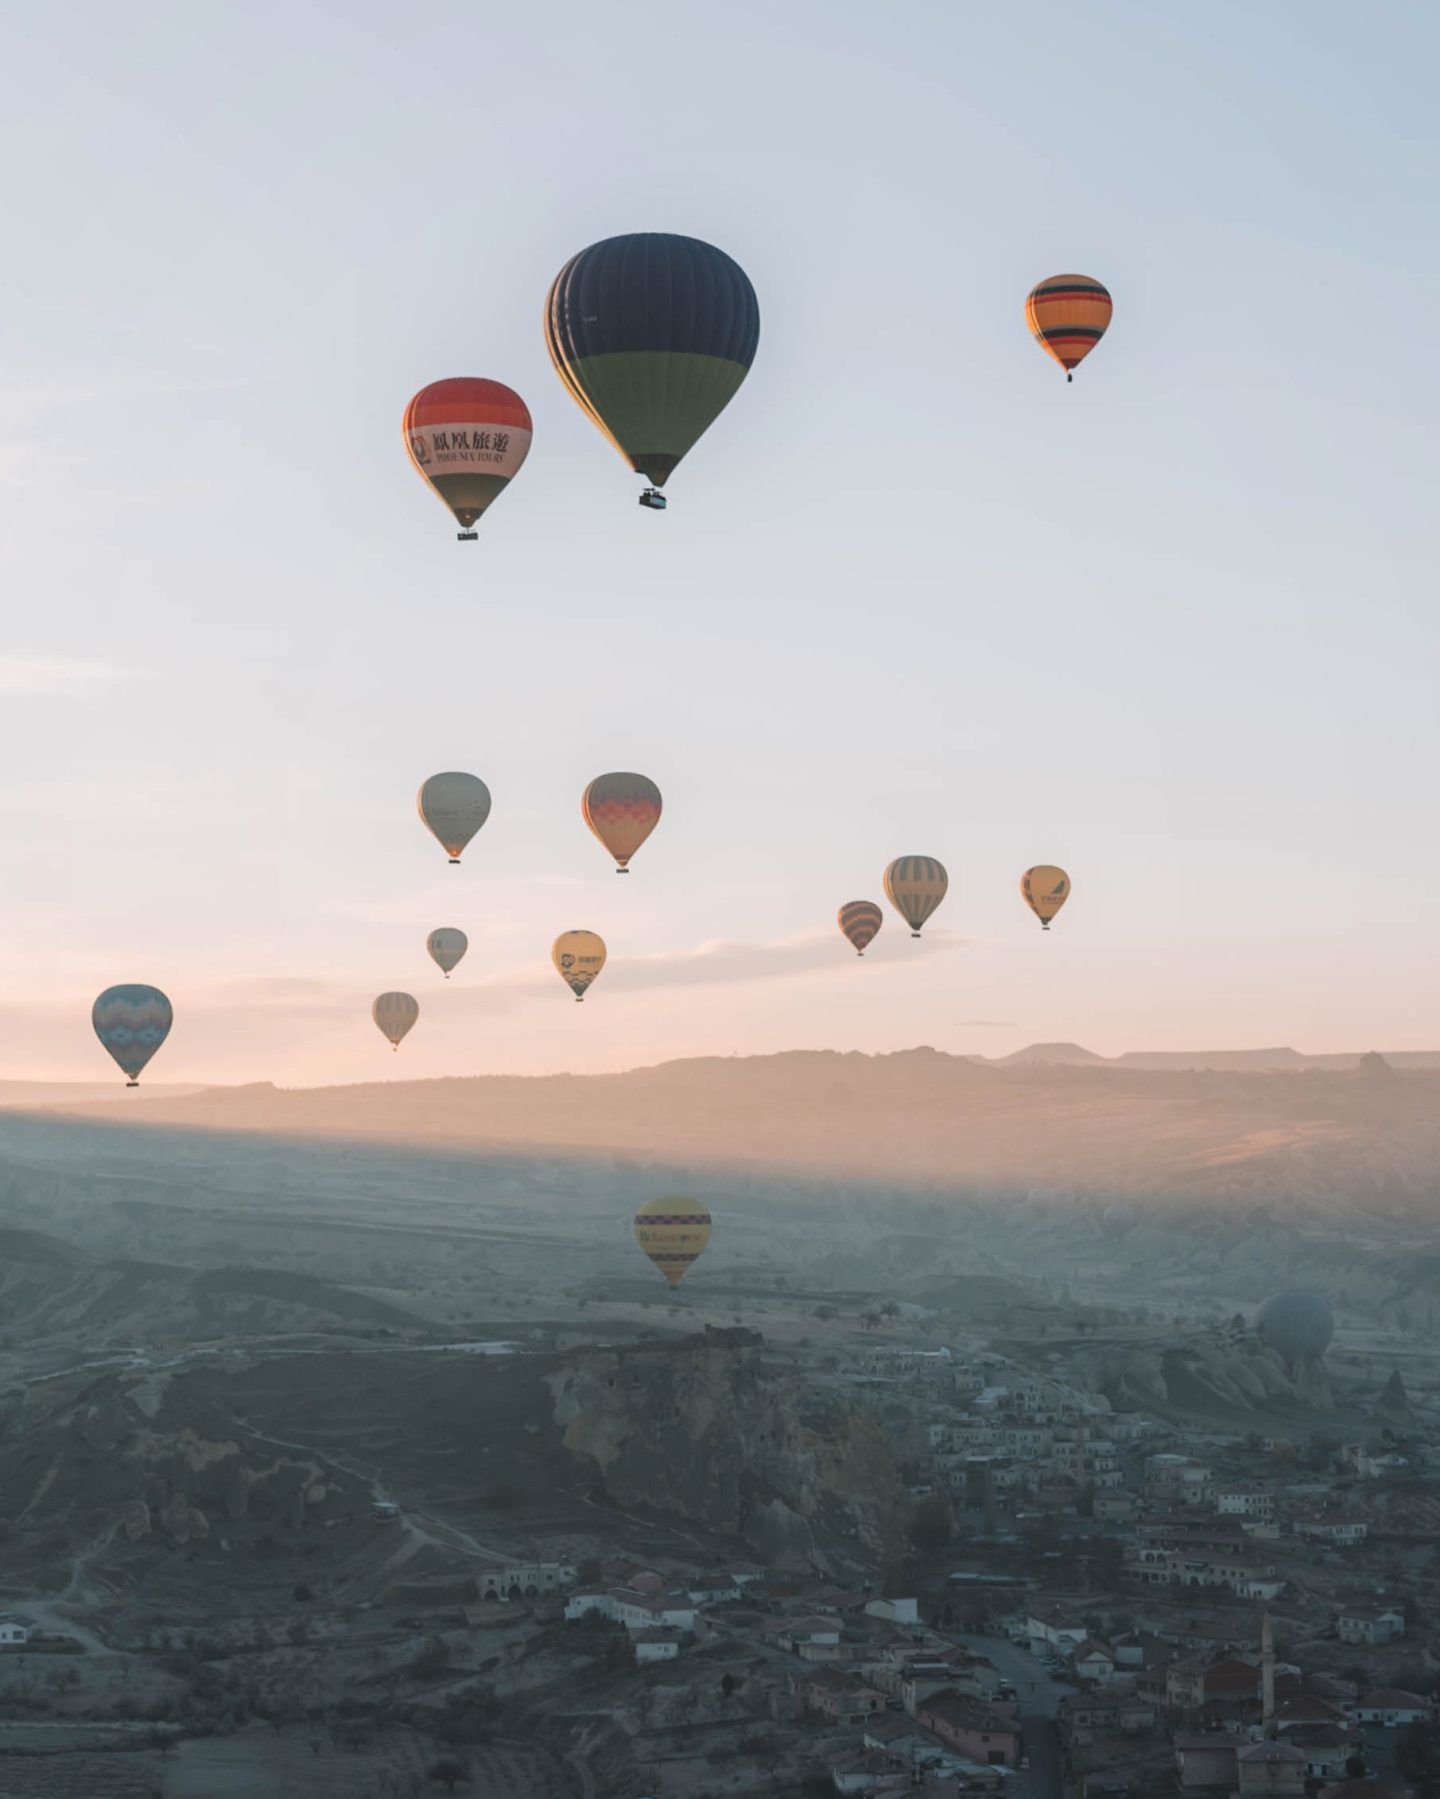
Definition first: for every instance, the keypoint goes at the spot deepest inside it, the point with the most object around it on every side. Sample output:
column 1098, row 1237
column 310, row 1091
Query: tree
column 449, row 1772
column 931, row 1525
column 889, row 1309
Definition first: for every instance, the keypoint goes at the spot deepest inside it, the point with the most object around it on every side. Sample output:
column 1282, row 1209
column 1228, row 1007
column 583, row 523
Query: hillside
column 1325, row 1140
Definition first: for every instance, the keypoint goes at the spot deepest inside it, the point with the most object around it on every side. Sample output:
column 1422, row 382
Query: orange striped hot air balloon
column 860, row 920
column 672, row 1232
column 622, row 810
column 1068, row 315
column 1045, row 890
column 467, row 437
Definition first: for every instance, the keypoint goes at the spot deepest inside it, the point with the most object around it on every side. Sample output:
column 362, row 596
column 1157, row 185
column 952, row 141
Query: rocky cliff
column 709, row 1430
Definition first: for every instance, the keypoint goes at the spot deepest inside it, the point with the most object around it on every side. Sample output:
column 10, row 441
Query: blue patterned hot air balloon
column 132, row 1022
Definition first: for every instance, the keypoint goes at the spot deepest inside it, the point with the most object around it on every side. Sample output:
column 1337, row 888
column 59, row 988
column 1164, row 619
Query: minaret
column 1267, row 1675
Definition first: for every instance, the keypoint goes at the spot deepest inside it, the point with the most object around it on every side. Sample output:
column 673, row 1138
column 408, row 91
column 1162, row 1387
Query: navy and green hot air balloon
column 653, row 335
column 132, row 1021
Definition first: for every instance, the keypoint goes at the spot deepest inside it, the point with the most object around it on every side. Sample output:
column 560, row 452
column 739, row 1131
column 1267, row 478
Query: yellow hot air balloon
column 1067, row 316
column 395, row 1015
column 579, row 956
column 454, row 806
column 672, row 1232
column 622, row 810
column 1045, row 890
column 915, row 886
column 446, row 946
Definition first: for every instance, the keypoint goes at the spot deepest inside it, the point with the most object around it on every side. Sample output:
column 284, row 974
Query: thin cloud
column 52, row 677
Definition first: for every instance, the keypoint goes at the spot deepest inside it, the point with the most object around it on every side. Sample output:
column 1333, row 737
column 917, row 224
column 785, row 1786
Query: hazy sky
column 1173, row 627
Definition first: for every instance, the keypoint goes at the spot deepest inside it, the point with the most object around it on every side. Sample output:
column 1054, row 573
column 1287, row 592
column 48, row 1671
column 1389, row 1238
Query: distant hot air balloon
column 1067, row 315
column 467, row 437
column 1297, row 1326
column 915, row 886
column 672, row 1232
column 860, row 920
column 622, row 810
column 653, row 335
column 446, row 946
column 454, row 806
column 132, row 1021
column 395, row 1015
column 1045, row 890
column 579, row 956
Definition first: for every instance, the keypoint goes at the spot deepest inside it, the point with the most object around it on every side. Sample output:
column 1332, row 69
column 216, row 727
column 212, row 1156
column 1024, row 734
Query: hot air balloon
column 915, row 886
column 1297, row 1326
column 1045, row 890
column 395, row 1015
column 454, row 806
column 653, row 335
column 1067, row 315
column 446, row 946
column 132, row 1021
column 860, row 920
column 467, row 437
column 579, row 956
column 622, row 810
column 672, row 1232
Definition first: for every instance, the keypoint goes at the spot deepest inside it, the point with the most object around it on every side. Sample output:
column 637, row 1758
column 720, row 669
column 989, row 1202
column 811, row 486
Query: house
column 1081, row 1717
column 1233, row 1501
column 1307, row 1711
column 896, row 1611
column 814, row 1638
column 972, row 1727
column 1200, row 1680
column 1370, row 1624
column 1095, row 1661
column 1050, row 1627
column 827, row 1693
column 1326, row 1748
column 1206, row 1760
column 714, row 1589
column 1276, row 1767
column 16, row 1629
column 1389, row 1707
column 1139, row 1650
column 634, row 1609
column 527, row 1580
column 655, row 1645
column 1333, row 1532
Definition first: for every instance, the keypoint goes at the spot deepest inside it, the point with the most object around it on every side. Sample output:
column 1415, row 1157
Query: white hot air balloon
column 446, row 946
column 454, row 806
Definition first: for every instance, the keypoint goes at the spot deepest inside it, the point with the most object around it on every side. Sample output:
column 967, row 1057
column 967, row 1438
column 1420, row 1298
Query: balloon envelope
column 446, row 946
column 622, row 810
column 652, row 334
column 1068, row 315
column 1297, row 1326
column 1045, row 890
column 860, row 920
column 454, row 806
column 467, row 437
column 915, row 886
column 395, row 1015
column 132, row 1021
column 579, row 956
column 672, row 1232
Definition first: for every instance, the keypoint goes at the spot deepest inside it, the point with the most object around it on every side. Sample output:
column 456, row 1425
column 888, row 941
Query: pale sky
column 1173, row 627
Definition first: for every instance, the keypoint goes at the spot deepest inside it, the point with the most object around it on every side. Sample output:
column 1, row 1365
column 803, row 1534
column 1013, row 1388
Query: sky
column 1172, row 627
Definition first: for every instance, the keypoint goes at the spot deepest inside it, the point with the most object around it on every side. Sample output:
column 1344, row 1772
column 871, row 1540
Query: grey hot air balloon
column 395, row 1015
column 446, row 946
column 454, row 806
column 1297, row 1326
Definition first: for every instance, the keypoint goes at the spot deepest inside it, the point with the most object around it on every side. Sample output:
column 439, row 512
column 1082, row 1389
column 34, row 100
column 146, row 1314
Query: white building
column 1371, row 1624
column 15, row 1630
column 634, row 1609
column 655, row 1645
